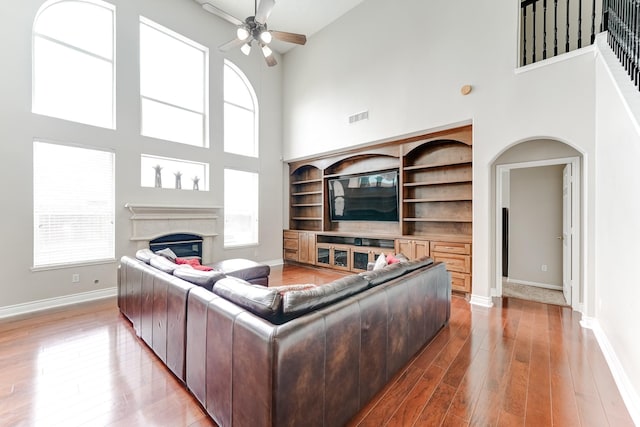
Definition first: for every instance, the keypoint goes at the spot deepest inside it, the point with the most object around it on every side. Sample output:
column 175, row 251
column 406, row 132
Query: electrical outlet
column 543, row 267
column 75, row 278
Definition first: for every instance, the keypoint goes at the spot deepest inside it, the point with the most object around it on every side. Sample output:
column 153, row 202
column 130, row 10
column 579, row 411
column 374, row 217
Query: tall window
column 73, row 61
column 173, row 86
column 240, row 208
column 73, row 199
column 240, row 113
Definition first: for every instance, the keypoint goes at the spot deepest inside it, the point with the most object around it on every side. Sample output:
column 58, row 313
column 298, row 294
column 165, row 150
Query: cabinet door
column 323, row 255
column 421, row 248
column 404, row 247
column 303, row 247
column 341, row 257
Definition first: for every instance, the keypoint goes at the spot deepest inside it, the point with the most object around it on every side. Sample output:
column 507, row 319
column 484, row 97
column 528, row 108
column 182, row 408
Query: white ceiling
column 296, row 16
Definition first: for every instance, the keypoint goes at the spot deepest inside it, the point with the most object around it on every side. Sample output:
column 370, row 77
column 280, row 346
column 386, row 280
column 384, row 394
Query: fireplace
column 182, row 244
column 155, row 222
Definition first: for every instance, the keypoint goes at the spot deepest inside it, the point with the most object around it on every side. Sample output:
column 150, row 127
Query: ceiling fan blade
column 271, row 60
column 206, row 5
column 232, row 44
column 264, row 10
column 289, row 37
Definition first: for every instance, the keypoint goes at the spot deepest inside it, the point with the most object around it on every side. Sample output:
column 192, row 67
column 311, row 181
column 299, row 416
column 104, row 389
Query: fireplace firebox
column 182, row 244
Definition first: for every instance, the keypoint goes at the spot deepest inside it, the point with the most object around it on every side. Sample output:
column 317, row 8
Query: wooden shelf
column 435, row 165
column 301, row 218
column 436, row 219
column 307, row 181
column 439, row 199
column 305, row 205
column 425, row 183
column 306, row 193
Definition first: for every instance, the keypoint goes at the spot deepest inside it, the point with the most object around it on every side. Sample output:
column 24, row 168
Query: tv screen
column 364, row 197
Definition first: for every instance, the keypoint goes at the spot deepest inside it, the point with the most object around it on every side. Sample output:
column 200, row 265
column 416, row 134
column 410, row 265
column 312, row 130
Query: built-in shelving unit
column 435, row 206
column 306, row 199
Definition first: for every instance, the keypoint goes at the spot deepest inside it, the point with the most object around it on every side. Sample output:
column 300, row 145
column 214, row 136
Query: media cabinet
column 434, row 206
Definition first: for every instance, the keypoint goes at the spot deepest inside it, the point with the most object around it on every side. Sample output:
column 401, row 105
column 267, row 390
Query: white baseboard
column 273, row 262
column 537, row 284
column 45, row 304
column 629, row 395
column 481, row 301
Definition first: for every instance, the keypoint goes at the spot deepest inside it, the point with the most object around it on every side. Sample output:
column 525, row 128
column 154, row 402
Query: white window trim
column 62, row 265
column 255, row 111
column 35, row 34
column 205, row 107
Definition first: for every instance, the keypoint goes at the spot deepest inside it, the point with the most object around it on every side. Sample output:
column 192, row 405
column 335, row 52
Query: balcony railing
column 623, row 23
column 553, row 27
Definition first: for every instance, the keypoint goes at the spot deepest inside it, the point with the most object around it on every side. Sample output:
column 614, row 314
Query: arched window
column 240, row 113
column 73, row 61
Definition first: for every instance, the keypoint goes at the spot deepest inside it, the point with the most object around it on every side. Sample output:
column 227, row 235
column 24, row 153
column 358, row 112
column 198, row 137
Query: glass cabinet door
column 341, row 258
column 360, row 260
column 323, row 255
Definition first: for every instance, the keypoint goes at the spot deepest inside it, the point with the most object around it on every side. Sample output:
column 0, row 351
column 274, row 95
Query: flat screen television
column 364, row 197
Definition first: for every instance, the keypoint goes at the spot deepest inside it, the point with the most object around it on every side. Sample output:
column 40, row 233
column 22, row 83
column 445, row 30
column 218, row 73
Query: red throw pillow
column 392, row 259
column 193, row 262
column 202, row 267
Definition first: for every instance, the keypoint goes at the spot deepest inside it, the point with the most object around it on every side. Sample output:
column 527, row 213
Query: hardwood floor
column 519, row 363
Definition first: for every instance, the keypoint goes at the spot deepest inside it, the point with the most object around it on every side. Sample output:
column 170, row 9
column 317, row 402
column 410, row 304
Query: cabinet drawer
column 291, row 243
column 460, row 282
column 290, row 255
column 288, row 234
column 451, row 248
column 454, row 262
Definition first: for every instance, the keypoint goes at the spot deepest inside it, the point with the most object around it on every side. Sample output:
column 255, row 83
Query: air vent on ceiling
column 359, row 116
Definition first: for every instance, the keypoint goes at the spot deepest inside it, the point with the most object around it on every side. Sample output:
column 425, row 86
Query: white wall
column 617, row 294
column 535, row 222
column 18, row 128
column 405, row 62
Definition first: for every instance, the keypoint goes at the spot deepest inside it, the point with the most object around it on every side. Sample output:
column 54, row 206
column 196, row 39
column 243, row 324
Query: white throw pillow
column 381, row 262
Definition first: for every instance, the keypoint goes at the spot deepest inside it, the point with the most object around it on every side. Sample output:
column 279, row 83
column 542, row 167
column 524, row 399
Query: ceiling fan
column 254, row 29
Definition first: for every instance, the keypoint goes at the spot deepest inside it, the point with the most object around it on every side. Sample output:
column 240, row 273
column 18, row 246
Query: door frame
column 576, row 222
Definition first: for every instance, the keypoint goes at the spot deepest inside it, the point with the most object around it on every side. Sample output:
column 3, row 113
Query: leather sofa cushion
column 145, row 255
column 376, row 277
column 261, row 301
column 417, row 263
column 163, row 264
column 295, row 303
column 242, row 268
column 205, row 279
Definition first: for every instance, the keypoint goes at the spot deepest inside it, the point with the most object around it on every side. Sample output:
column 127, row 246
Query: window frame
column 256, row 214
column 256, row 115
column 205, row 143
column 35, row 34
column 102, row 260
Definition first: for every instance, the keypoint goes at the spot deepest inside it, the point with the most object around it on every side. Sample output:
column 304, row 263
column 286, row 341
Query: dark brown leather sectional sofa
column 257, row 356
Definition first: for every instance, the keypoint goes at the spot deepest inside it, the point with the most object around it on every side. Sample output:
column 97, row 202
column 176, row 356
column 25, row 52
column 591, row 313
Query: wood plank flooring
column 519, row 363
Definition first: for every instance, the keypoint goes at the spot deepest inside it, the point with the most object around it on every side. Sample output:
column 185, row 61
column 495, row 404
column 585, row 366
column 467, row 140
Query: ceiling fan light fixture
column 242, row 33
column 246, row 49
column 265, row 36
column 266, row 51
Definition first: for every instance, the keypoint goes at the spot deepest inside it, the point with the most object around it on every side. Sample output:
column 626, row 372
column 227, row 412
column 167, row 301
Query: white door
column 567, row 232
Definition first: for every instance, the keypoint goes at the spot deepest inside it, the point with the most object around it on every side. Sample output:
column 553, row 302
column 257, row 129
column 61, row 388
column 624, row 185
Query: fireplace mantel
column 150, row 221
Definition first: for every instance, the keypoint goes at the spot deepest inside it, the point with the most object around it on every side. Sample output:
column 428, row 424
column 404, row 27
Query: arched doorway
column 538, row 222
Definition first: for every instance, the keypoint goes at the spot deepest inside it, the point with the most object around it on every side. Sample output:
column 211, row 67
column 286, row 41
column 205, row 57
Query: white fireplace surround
column 149, row 222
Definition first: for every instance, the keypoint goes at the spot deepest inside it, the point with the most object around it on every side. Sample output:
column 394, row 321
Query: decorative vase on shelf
column 195, row 180
column 158, row 181
column 178, row 180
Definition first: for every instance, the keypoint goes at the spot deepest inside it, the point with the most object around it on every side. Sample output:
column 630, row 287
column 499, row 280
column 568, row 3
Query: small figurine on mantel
column 158, row 182
column 178, row 180
column 195, row 180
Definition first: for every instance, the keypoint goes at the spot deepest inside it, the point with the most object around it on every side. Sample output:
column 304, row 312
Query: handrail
column 569, row 18
column 623, row 24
